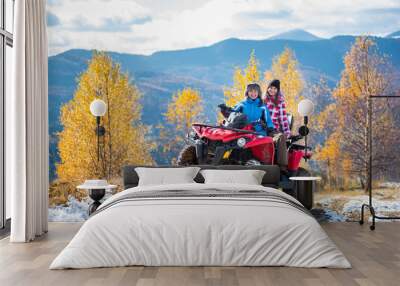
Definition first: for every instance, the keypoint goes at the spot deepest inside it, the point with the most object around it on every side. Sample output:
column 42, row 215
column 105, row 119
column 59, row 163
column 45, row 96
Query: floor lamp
column 369, row 205
column 98, row 109
column 305, row 109
column 97, row 191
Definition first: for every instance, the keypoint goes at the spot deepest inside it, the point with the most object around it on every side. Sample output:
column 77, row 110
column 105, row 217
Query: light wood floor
column 375, row 257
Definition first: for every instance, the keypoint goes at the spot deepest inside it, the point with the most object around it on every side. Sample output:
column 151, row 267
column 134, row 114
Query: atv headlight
column 241, row 142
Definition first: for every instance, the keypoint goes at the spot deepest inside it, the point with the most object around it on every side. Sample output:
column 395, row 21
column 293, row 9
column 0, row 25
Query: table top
column 89, row 187
column 305, row 178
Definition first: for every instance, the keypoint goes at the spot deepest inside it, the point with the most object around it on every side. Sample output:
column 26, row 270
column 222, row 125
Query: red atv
column 236, row 143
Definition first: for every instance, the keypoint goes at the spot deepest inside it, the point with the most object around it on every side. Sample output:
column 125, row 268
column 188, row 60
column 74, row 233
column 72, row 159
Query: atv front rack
column 227, row 128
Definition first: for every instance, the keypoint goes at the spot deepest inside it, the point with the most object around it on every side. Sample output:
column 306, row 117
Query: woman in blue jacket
column 255, row 110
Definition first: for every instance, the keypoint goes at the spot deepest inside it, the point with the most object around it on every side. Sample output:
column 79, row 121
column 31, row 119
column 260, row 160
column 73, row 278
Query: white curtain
column 27, row 124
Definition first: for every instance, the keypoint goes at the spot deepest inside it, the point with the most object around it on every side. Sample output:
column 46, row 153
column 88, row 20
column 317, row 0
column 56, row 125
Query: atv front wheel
column 187, row 156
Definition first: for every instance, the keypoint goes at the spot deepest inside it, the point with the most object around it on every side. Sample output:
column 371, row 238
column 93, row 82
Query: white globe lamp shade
column 98, row 107
column 305, row 107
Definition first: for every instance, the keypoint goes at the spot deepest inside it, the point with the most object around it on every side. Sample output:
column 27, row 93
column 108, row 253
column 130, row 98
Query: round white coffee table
column 96, row 190
column 304, row 190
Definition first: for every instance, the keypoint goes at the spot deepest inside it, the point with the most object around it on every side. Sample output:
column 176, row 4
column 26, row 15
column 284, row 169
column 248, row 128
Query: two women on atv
column 267, row 115
column 255, row 110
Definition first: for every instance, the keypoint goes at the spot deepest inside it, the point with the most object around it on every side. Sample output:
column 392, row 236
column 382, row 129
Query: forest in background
column 338, row 127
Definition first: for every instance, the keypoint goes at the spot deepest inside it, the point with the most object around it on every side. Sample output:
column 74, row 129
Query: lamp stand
column 305, row 137
column 100, row 131
column 98, row 137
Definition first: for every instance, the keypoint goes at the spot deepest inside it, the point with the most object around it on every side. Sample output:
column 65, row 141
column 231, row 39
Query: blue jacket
column 256, row 112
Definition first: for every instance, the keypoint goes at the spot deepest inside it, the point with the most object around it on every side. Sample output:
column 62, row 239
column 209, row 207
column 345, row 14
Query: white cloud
column 143, row 26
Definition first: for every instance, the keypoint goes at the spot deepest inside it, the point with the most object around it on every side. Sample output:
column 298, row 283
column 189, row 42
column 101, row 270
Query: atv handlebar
column 225, row 110
column 223, row 106
column 295, row 138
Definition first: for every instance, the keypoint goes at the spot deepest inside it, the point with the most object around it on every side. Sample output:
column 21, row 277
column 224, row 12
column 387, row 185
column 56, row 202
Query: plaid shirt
column 278, row 114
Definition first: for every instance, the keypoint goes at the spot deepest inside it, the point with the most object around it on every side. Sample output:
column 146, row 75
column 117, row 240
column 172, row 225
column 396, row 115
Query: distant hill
column 207, row 69
column 394, row 35
column 295, row 35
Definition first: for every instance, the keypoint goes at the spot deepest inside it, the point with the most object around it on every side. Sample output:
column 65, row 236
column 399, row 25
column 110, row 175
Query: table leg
column 96, row 195
column 305, row 191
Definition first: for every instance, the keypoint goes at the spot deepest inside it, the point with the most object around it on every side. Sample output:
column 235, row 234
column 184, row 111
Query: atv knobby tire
column 187, row 156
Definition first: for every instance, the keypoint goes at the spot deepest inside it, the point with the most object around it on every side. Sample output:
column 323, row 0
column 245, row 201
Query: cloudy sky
column 146, row 26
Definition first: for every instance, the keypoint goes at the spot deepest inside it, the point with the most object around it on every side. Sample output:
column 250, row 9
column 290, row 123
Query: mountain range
column 295, row 35
column 207, row 69
column 394, row 35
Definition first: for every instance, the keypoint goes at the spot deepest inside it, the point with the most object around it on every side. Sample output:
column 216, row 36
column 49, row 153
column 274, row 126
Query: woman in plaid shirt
column 276, row 105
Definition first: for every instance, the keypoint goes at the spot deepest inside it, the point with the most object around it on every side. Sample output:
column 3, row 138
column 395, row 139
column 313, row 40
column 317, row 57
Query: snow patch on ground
column 351, row 207
column 327, row 215
column 74, row 211
column 392, row 185
column 382, row 207
column 332, row 216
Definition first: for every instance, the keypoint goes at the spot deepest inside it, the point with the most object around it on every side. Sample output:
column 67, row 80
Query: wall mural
column 154, row 94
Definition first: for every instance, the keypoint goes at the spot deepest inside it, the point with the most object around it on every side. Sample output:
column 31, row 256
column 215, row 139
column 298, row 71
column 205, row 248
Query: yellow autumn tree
column 184, row 109
column 124, row 141
column 320, row 93
column 327, row 157
column 241, row 78
column 366, row 73
column 285, row 68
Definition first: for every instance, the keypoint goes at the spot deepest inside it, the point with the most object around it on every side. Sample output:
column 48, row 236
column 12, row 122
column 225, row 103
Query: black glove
column 225, row 110
column 223, row 106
